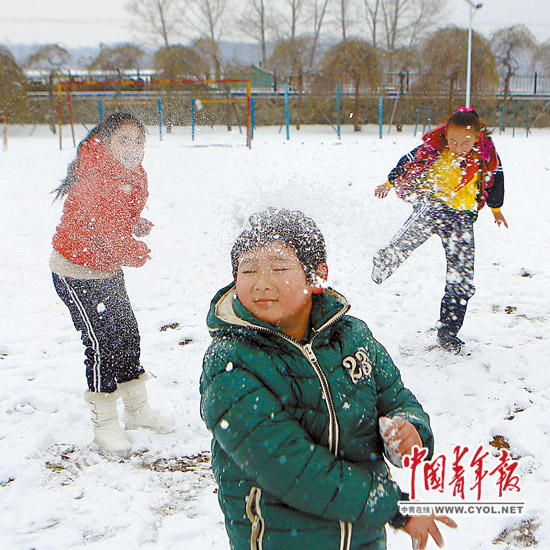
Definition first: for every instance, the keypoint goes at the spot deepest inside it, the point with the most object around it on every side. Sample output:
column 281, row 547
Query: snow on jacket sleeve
column 393, row 398
column 273, row 450
column 113, row 216
column 399, row 169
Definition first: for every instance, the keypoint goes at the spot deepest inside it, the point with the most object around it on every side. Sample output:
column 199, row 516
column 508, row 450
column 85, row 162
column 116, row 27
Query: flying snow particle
column 229, row 366
column 224, row 424
column 101, row 308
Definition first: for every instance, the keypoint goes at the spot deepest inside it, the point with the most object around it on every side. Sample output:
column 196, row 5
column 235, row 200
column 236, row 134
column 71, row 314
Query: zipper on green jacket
column 333, row 430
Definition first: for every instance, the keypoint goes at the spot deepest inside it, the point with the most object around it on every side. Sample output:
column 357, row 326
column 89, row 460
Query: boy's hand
column 382, row 191
column 420, row 527
column 399, row 435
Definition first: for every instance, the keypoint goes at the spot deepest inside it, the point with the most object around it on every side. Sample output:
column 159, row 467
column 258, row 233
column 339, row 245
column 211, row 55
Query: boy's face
column 272, row 285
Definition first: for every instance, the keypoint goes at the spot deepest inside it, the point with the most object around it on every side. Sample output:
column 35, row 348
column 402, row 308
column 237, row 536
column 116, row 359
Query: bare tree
column 344, row 17
column 160, row 20
column 372, row 15
column 542, row 57
column 207, row 17
column 13, row 88
column 319, row 11
column 180, row 62
column 354, row 61
column 291, row 17
column 258, row 23
column 400, row 23
column 508, row 46
column 52, row 58
column 290, row 57
column 444, row 57
column 122, row 57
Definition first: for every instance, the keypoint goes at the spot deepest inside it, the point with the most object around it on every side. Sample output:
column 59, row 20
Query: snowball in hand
column 388, row 429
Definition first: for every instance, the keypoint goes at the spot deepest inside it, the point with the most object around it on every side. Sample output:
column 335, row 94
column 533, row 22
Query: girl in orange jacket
column 106, row 191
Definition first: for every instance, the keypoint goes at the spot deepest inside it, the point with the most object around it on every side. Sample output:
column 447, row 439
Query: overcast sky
column 74, row 23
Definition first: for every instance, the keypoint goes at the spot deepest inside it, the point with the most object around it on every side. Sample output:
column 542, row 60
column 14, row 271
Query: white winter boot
column 137, row 412
column 108, row 434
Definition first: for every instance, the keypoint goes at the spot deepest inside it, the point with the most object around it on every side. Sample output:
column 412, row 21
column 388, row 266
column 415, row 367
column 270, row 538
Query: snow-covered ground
column 55, row 492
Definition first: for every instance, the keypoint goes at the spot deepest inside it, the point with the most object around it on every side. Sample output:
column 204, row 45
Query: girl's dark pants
column 456, row 230
column 101, row 311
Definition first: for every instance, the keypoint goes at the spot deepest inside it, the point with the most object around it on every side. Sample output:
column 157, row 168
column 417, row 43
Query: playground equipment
column 197, row 104
column 158, row 102
column 338, row 128
column 68, row 85
column 427, row 120
column 514, row 117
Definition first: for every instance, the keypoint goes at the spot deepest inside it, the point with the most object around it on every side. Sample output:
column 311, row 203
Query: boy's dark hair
column 290, row 227
column 105, row 129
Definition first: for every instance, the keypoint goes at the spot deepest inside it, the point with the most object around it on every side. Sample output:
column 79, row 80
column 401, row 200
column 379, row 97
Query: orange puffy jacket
column 101, row 211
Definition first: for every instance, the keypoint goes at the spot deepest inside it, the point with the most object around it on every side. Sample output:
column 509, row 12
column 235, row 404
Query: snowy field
column 56, row 493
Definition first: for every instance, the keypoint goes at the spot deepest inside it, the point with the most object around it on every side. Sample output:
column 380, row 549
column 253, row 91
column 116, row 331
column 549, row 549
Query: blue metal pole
column 429, row 122
column 338, row 106
column 418, row 111
column 193, row 119
column 159, row 106
column 380, row 113
column 287, row 112
column 100, row 108
column 502, row 117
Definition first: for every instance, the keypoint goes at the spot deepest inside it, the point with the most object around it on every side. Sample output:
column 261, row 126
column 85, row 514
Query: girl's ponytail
column 67, row 182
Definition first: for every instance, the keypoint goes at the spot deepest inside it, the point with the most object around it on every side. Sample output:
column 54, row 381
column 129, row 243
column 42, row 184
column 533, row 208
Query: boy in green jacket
column 293, row 390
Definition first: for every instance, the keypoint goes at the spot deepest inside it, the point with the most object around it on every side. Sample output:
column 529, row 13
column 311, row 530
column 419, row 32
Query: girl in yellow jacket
column 447, row 179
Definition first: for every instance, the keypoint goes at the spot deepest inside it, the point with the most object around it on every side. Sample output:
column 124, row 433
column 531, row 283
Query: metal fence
column 533, row 85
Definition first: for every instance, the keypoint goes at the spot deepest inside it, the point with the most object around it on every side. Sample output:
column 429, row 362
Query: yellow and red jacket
column 431, row 168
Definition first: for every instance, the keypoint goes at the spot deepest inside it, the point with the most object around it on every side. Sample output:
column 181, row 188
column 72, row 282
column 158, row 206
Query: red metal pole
column 60, row 110
column 248, row 114
column 70, row 107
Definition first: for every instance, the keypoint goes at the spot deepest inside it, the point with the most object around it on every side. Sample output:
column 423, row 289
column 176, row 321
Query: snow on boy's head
column 290, row 227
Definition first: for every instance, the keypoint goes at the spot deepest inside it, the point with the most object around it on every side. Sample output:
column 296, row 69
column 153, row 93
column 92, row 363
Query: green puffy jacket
column 296, row 449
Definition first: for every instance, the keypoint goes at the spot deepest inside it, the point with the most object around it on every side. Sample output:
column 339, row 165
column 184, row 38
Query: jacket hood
column 435, row 140
column 227, row 312
column 95, row 159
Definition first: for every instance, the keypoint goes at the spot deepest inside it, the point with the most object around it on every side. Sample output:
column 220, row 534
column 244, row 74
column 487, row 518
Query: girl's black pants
column 456, row 230
column 101, row 311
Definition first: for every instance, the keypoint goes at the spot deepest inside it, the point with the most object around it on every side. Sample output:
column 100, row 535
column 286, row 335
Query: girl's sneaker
column 449, row 341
